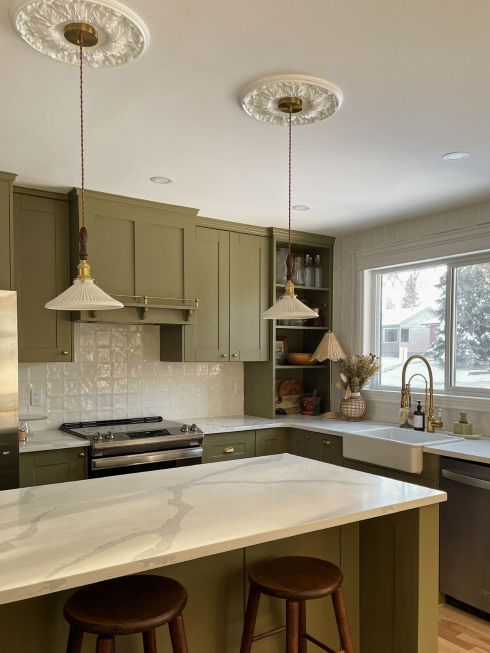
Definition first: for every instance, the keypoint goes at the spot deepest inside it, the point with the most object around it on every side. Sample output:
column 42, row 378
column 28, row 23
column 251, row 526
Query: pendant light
column 84, row 294
column 289, row 306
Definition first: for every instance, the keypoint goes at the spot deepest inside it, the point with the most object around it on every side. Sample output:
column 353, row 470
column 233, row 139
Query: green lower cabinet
column 304, row 443
column 365, row 467
column 411, row 478
column 47, row 467
column 271, row 441
column 330, row 449
column 428, row 478
column 228, row 446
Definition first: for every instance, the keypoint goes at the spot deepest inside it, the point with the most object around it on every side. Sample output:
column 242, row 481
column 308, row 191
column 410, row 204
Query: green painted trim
column 38, row 192
column 214, row 223
column 303, row 237
column 76, row 192
column 7, row 176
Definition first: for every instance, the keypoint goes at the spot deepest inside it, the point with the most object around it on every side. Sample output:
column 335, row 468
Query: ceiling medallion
column 122, row 34
column 320, row 99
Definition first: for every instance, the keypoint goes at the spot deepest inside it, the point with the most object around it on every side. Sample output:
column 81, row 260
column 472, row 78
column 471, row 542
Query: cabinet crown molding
column 75, row 193
column 7, row 176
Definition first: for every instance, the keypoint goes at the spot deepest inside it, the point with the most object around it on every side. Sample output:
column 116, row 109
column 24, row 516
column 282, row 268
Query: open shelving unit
column 260, row 378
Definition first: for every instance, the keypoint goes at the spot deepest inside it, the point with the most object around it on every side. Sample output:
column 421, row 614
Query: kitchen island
column 205, row 525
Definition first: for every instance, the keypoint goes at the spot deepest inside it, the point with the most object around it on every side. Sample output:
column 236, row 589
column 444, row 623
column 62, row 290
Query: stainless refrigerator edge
column 9, row 392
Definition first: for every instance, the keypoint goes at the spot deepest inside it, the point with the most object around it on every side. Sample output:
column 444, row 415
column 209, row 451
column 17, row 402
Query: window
column 391, row 335
column 441, row 312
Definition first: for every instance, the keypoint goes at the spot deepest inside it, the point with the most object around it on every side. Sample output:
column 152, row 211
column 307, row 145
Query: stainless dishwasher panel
column 465, row 532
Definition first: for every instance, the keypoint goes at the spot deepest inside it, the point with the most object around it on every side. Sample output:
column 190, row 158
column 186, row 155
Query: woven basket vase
column 354, row 408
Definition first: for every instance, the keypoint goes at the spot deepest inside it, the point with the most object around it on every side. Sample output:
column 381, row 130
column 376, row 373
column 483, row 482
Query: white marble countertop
column 477, row 450
column 49, row 440
column 56, row 537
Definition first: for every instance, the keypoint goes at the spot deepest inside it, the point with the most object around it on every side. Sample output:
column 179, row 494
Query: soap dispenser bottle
column 418, row 418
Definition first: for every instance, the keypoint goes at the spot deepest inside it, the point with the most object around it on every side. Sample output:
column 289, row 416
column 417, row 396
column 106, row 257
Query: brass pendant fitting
column 81, row 34
column 290, row 104
column 289, row 290
column 84, row 271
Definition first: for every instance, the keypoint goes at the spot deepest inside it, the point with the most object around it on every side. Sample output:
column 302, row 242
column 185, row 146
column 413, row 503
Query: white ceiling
column 415, row 75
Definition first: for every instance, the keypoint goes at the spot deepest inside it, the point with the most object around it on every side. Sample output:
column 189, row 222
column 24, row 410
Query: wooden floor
column 460, row 631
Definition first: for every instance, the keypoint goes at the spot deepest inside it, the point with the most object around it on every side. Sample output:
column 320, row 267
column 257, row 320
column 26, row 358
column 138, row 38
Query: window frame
column 390, row 342
column 452, row 264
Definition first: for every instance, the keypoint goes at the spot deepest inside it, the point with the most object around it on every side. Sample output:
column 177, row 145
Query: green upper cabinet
column 6, row 230
column 138, row 248
column 232, row 277
column 41, row 272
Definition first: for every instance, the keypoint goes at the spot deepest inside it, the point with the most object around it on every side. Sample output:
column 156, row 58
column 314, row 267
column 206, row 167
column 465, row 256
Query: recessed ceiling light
column 455, row 156
column 301, row 207
column 161, row 180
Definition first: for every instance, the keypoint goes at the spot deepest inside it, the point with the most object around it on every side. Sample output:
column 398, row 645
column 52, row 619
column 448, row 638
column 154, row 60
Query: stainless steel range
column 141, row 444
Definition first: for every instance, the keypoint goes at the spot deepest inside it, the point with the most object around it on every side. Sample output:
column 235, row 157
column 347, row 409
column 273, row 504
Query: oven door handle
column 466, row 480
column 145, row 458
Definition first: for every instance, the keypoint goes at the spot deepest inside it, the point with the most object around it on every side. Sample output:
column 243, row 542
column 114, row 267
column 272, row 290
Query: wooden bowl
column 301, row 359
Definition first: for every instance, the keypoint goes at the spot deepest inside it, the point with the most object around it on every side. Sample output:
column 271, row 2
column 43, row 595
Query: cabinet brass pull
column 228, row 450
column 224, row 356
column 81, row 454
column 326, row 441
column 307, row 437
column 65, row 353
column 235, row 355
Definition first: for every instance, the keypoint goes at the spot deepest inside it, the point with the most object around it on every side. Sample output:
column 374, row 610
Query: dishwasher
column 465, row 535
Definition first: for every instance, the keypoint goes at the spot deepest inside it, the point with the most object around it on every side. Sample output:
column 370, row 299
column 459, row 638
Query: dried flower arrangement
column 355, row 372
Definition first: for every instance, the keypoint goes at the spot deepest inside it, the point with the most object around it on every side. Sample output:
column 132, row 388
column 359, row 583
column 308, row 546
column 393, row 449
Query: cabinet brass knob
column 82, row 455
column 65, row 353
column 224, row 356
column 228, row 450
column 307, row 437
column 235, row 355
column 326, row 441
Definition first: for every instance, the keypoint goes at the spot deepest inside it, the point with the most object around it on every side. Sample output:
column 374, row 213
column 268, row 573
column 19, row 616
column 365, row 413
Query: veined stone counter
column 61, row 536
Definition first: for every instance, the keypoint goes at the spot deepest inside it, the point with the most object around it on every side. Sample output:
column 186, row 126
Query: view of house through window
column 412, row 317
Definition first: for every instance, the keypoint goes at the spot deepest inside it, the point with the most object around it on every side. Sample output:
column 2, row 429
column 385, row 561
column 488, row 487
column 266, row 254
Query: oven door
column 144, row 462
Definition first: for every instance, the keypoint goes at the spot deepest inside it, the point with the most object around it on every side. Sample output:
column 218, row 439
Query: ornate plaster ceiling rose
column 122, row 34
column 320, row 99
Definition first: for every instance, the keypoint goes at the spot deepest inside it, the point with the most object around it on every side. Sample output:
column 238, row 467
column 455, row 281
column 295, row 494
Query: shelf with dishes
column 301, row 367
column 299, row 288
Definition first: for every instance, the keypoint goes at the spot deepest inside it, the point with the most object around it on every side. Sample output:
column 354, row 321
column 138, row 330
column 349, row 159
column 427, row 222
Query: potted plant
column 355, row 373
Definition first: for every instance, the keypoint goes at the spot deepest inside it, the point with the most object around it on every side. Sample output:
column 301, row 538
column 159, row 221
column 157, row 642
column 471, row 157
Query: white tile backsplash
column 117, row 374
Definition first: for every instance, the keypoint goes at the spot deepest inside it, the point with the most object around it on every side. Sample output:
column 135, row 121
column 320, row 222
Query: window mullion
column 448, row 330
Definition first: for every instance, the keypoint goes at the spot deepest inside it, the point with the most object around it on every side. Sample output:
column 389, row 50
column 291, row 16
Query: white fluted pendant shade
column 330, row 348
column 84, row 296
column 289, row 307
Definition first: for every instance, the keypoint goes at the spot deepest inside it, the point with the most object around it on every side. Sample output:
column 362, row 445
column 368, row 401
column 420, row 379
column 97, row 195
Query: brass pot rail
column 145, row 306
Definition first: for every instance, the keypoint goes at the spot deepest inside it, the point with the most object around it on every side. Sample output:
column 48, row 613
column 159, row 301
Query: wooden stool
column 125, row 606
column 297, row 580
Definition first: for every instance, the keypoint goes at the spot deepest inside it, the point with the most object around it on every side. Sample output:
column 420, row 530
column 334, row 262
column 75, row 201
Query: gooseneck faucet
column 432, row 423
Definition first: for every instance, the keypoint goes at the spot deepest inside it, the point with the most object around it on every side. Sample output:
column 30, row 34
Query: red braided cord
column 290, row 114
column 81, row 131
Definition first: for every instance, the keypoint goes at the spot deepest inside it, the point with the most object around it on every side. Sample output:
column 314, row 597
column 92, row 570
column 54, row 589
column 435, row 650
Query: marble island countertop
column 62, row 536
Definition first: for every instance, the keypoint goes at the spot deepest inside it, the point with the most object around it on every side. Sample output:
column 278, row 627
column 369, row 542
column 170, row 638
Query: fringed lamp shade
column 329, row 348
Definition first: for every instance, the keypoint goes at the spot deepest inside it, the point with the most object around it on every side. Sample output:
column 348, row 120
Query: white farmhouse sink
column 391, row 447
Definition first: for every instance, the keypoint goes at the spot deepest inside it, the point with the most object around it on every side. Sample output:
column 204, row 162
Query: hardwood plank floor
column 460, row 632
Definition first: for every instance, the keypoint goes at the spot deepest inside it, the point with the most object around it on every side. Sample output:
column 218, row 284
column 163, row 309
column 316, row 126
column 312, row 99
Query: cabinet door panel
column 249, row 292
column 48, row 467
column 271, row 441
column 410, row 478
column 5, row 235
column 365, row 467
column 304, row 444
column 331, row 449
column 212, row 273
column 42, row 248
column 164, row 262
column 228, row 446
column 111, row 247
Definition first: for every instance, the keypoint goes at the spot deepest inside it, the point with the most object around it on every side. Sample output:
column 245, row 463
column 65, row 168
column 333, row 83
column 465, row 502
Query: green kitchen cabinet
column 271, row 441
column 411, row 478
column 330, row 449
column 429, row 476
column 232, row 279
column 228, row 446
column 304, row 443
column 365, row 467
column 138, row 248
column 41, row 272
column 6, row 230
column 48, row 467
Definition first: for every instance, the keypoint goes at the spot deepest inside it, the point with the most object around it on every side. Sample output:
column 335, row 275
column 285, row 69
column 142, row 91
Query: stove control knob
column 194, row 428
column 98, row 436
column 109, row 436
column 185, row 428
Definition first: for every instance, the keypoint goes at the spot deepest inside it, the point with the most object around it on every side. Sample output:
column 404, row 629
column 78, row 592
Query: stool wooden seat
column 297, row 580
column 126, row 606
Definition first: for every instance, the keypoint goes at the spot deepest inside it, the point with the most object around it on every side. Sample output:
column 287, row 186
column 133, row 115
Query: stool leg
column 292, row 626
column 75, row 639
column 150, row 641
column 342, row 621
column 104, row 644
column 250, row 619
column 177, row 635
column 302, row 627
